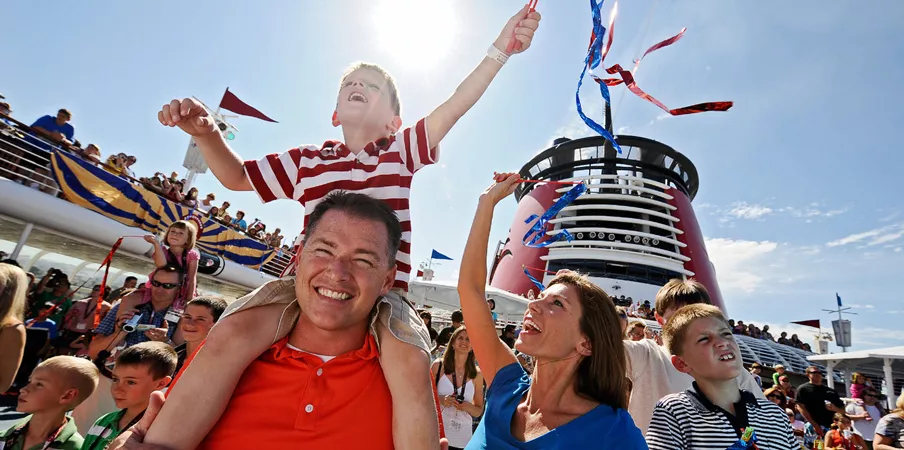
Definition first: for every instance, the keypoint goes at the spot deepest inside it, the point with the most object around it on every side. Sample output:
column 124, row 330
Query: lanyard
column 116, row 422
column 455, row 386
column 19, row 433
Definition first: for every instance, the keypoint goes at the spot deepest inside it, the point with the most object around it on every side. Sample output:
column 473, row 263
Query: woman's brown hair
column 449, row 357
column 600, row 376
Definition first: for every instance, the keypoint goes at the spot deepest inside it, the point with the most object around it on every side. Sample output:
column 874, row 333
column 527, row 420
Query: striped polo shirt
column 689, row 421
column 383, row 170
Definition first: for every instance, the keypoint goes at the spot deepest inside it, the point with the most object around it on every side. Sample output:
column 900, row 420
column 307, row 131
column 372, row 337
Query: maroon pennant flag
column 232, row 103
column 808, row 323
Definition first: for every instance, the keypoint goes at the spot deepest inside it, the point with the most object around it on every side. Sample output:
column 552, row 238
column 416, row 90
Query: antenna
column 841, row 327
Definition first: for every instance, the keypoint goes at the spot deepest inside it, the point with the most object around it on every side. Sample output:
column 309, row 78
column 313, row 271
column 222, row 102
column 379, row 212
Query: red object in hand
column 513, row 42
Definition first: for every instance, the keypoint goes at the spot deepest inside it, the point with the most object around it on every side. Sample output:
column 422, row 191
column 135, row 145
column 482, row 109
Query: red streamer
column 627, row 77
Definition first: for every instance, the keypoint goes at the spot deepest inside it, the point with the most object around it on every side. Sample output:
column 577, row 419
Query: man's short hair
column 169, row 268
column 675, row 330
column 65, row 111
column 75, row 373
column 216, row 305
column 677, row 293
column 390, row 83
column 363, row 207
column 159, row 358
column 457, row 316
column 131, row 278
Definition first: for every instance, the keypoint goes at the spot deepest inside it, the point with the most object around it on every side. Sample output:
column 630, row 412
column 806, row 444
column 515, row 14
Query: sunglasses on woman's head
column 156, row 283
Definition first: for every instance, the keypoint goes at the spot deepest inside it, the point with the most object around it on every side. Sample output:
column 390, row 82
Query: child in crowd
column 378, row 158
column 200, row 315
column 178, row 250
column 715, row 414
column 55, row 387
column 841, row 436
column 652, row 373
column 140, row 370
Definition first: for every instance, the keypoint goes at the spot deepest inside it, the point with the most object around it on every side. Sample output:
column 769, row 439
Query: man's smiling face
column 344, row 268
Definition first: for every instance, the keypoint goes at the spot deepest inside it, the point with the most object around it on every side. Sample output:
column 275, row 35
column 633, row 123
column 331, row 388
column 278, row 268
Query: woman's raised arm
column 492, row 354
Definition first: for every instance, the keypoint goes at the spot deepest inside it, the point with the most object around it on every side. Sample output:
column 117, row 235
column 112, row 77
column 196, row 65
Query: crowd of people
column 29, row 164
column 335, row 356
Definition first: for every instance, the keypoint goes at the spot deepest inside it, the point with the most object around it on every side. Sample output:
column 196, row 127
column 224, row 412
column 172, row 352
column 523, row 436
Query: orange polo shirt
column 288, row 399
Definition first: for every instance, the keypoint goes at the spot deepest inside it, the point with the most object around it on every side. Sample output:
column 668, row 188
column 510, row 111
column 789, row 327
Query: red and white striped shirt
column 383, row 170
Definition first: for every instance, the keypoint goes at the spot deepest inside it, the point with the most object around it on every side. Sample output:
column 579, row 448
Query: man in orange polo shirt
column 321, row 387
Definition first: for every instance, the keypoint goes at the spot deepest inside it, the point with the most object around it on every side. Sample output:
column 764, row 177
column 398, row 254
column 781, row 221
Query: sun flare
column 420, row 33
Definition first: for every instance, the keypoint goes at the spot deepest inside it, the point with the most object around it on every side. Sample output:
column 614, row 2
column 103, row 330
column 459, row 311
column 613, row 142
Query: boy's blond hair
column 675, row 330
column 77, row 373
column 677, row 293
column 390, row 83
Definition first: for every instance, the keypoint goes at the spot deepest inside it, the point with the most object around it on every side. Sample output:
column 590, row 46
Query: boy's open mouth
column 357, row 97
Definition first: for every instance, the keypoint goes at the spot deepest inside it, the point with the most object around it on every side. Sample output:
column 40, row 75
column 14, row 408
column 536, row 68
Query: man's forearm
column 99, row 343
column 225, row 164
column 441, row 120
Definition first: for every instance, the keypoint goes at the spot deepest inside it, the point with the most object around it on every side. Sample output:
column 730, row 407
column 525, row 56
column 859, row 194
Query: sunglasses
column 156, row 283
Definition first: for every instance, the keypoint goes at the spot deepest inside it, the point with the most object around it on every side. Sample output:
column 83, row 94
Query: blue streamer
column 592, row 61
column 536, row 282
column 538, row 229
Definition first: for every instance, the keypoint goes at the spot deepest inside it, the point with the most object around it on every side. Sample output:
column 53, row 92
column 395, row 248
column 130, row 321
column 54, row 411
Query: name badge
column 171, row 316
column 79, row 327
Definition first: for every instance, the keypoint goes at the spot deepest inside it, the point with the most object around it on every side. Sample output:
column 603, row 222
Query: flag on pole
column 808, row 323
column 420, row 274
column 232, row 103
column 438, row 255
column 838, row 297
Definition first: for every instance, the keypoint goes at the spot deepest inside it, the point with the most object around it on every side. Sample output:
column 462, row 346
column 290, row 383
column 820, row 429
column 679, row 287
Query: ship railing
column 25, row 162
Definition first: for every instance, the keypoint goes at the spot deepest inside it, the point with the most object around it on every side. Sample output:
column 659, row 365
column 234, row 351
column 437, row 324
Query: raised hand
column 521, row 27
column 189, row 115
column 504, row 185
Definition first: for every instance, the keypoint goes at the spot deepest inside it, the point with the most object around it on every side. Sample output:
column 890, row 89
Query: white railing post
column 23, row 238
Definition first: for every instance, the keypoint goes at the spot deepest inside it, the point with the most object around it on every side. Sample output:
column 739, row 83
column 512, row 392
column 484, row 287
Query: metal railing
column 25, row 159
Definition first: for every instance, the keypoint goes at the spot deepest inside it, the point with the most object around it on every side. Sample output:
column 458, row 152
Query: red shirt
column 383, row 170
column 288, row 399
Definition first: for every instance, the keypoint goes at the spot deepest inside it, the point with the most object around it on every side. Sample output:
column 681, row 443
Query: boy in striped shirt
column 376, row 159
column 140, row 370
column 714, row 414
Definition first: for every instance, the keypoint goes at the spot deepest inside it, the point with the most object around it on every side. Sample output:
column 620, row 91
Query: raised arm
column 189, row 115
column 492, row 354
column 159, row 256
column 522, row 25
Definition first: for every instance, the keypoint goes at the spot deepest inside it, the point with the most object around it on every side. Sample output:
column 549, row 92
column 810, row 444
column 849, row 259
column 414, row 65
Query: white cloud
column 743, row 210
column 812, row 211
column 859, row 306
column 872, row 237
column 739, row 263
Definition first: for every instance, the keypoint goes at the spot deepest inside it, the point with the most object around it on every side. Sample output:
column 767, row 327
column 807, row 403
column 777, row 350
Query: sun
column 419, row 33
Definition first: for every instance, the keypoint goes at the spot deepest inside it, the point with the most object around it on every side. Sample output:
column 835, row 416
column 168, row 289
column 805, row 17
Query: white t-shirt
column 863, row 427
column 653, row 376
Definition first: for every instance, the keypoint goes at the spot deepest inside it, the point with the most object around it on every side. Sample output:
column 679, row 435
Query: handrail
column 17, row 154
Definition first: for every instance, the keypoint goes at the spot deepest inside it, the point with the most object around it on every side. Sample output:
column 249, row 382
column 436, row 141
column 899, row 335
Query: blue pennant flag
column 838, row 297
column 438, row 255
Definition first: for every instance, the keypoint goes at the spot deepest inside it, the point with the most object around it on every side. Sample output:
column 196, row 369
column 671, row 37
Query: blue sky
column 796, row 199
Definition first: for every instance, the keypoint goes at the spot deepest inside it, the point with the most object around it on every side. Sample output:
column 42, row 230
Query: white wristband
column 497, row 55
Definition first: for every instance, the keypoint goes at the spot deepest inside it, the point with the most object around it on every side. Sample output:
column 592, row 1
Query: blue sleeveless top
column 601, row 428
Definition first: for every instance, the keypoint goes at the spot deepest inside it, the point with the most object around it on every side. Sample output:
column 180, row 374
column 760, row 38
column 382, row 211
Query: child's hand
column 520, row 27
column 189, row 115
column 151, row 239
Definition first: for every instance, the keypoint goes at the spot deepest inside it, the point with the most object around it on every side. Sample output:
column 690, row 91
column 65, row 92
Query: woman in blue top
column 578, row 392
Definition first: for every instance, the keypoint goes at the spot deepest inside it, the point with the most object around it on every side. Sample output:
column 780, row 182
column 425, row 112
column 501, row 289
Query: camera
column 460, row 398
column 132, row 324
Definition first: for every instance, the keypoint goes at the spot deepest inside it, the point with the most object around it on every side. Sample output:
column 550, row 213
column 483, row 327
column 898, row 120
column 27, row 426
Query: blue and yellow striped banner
column 116, row 198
